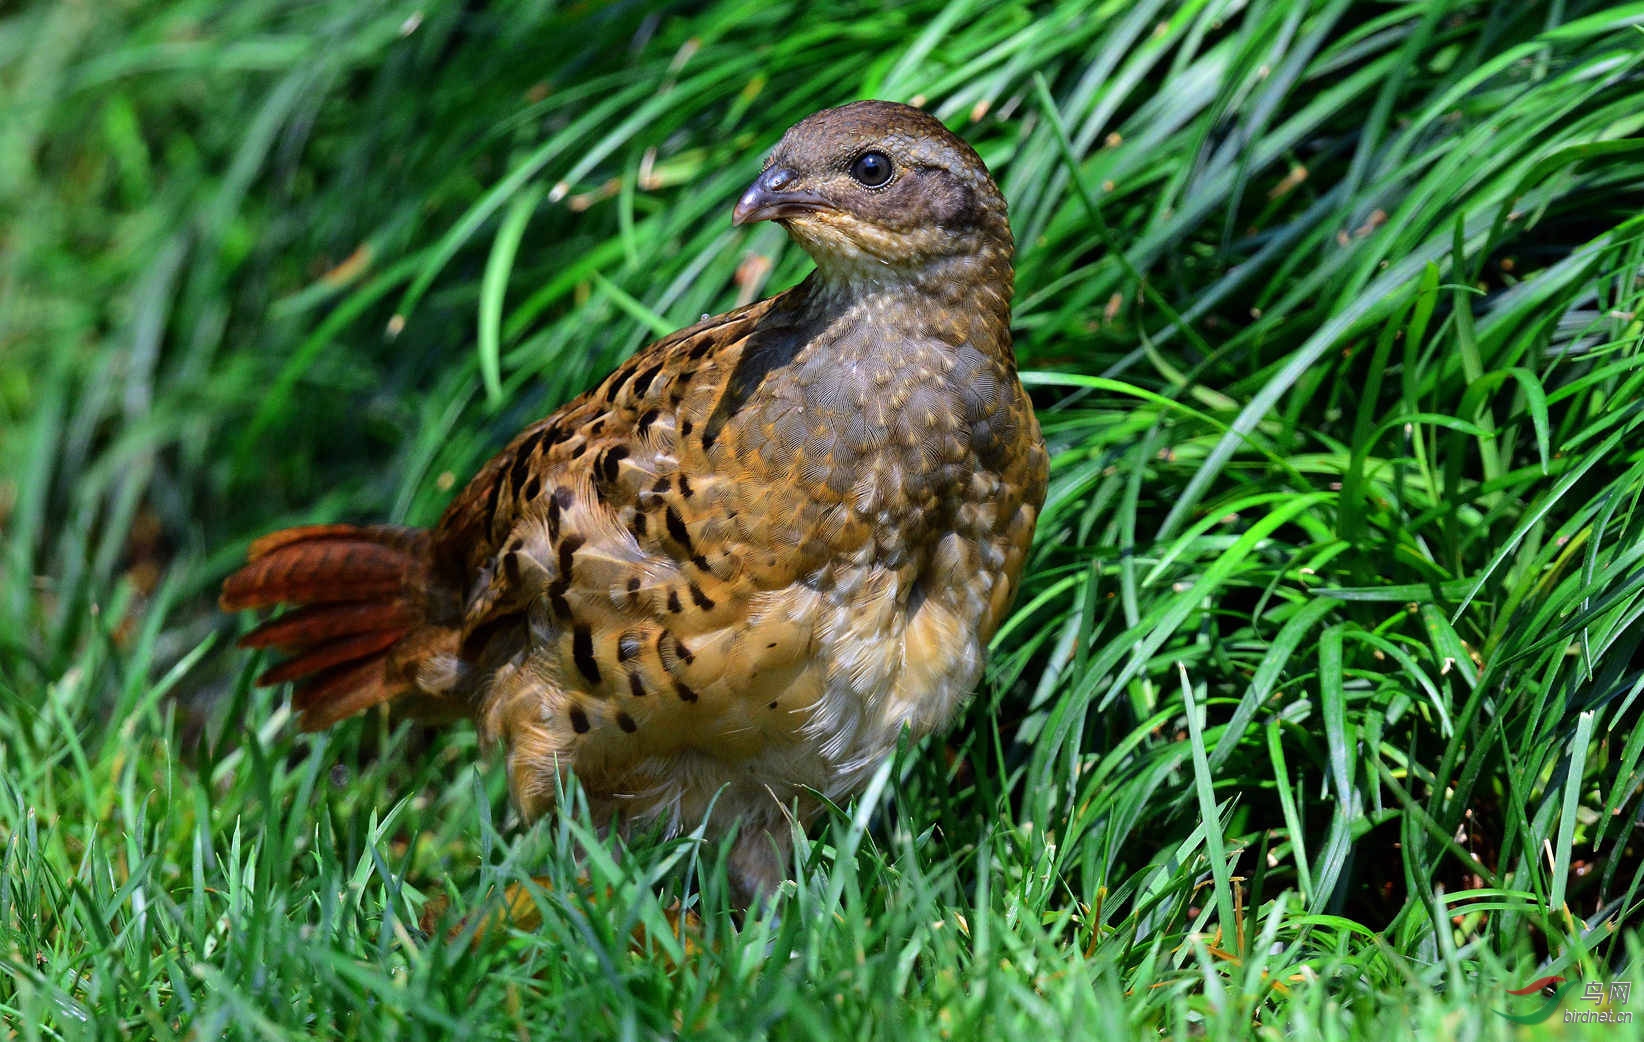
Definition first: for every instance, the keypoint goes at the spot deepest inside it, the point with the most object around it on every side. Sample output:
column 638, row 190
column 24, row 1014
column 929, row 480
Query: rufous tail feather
column 357, row 600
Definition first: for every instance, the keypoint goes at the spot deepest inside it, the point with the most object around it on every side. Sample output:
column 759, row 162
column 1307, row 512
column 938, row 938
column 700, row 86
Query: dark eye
column 871, row 169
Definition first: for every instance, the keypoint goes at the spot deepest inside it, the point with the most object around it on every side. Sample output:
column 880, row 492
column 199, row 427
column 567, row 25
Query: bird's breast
column 890, row 434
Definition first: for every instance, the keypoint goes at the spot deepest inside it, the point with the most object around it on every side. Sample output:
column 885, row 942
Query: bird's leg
column 759, row 861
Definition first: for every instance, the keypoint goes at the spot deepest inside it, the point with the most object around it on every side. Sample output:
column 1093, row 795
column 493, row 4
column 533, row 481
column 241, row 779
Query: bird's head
column 880, row 191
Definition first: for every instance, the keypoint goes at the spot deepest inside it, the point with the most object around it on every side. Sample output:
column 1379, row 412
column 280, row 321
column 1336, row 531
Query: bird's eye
column 871, row 169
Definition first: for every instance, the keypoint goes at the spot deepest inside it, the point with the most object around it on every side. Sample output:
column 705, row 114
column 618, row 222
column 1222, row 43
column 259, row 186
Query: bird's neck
column 961, row 298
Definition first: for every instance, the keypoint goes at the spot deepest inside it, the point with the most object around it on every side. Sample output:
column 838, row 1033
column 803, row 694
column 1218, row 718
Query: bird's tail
column 357, row 632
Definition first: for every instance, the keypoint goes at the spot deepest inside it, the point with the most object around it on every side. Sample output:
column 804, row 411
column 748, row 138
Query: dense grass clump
column 1317, row 717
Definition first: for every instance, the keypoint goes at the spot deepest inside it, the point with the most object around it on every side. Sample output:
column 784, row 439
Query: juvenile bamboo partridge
column 733, row 572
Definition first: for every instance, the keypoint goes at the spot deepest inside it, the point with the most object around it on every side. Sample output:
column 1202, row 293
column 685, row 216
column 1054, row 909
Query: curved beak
column 773, row 197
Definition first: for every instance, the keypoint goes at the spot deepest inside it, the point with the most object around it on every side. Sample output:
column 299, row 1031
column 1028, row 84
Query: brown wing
column 620, row 586
column 623, row 410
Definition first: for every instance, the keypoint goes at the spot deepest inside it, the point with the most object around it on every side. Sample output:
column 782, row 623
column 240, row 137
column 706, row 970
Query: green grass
column 1318, row 716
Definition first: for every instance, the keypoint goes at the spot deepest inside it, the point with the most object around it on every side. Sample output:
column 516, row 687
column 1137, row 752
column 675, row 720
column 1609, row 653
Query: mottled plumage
column 734, row 571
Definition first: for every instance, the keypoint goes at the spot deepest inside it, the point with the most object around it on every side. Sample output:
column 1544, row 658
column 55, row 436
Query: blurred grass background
column 1317, row 716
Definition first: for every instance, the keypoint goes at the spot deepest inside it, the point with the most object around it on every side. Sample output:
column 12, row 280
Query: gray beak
column 773, row 197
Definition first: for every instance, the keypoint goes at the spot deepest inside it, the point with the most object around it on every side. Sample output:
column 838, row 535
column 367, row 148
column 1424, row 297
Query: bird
column 720, row 585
